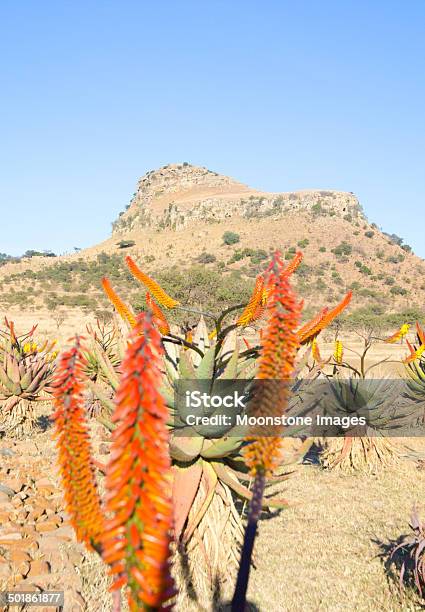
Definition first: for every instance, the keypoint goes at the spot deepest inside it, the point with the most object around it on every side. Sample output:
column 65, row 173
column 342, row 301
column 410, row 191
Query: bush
column 342, row 249
column 322, row 249
column 396, row 258
column 365, row 270
column 31, row 253
column 125, row 244
column 231, row 238
column 317, row 209
column 258, row 256
column 369, row 234
column 396, row 290
column 206, row 258
column 303, row 243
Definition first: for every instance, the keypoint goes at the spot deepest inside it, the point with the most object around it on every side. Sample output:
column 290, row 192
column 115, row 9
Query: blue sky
column 278, row 94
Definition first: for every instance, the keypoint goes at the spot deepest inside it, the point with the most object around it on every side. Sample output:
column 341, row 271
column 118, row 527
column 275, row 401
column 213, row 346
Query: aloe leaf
column 185, row 448
column 231, row 369
column 186, row 369
column 185, row 486
column 211, row 479
column 205, row 370
column 215, row 449
column 101, row 396
column 225, row 474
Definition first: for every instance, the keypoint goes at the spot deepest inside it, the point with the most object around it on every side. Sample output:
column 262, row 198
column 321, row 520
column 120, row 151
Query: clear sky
column 281, row 95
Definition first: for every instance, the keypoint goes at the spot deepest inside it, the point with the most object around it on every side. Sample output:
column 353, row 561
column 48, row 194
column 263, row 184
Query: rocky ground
column 38, row 549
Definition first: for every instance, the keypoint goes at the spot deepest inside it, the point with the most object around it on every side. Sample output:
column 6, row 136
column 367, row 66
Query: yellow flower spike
column 156, row 290
column 399, row 334
column 338, row 351
column 30, row 347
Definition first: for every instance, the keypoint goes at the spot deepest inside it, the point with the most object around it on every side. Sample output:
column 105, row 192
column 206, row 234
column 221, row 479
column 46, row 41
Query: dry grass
column 322, row 554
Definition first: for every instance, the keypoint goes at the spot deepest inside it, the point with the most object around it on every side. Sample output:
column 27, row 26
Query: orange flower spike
column 77, row 469
column 280, row 345
column 315, row 351
column 324, row 318
column 136, row 541
column 420, row 332
column 122, row 309
column 248, row 314
column 399, row 334
column 159, row 317
column 157, row 291
column 306, row 332
column 293, row 264
column 414, row 353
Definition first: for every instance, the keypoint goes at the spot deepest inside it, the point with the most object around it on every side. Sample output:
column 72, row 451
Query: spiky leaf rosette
column 75, row 458
column 137, row 536
column 276, row 364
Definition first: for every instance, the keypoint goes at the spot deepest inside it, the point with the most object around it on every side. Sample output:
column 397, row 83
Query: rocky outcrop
column 180, row 194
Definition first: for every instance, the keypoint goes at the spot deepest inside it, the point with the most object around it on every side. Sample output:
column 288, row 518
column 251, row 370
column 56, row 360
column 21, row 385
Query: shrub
column 396, row 258
column 344, row 248
column 365, row 270
column 258, row 256
column 397, row 290
column 369, row 234
column 206, row 258
column 322, row 249
column 317, row 209
column 231, row 238
column 303, row 243
column 125, row 244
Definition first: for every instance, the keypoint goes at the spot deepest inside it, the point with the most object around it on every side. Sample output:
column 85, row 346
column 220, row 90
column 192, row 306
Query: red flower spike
column 137, row 537
column 75, row 458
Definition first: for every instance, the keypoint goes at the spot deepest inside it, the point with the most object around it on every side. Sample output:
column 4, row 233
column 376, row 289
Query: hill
column 190, row 226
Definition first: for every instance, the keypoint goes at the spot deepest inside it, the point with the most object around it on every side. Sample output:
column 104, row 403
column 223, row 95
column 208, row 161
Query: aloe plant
column 209, row 473
column 26, row 371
